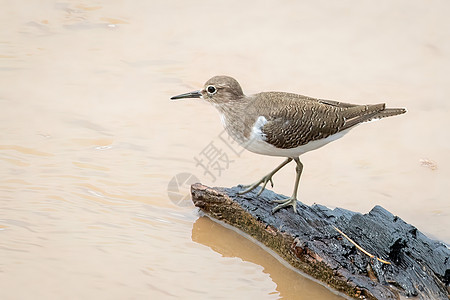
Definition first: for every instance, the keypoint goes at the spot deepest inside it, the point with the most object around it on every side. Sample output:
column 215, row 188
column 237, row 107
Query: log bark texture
column 309, row 242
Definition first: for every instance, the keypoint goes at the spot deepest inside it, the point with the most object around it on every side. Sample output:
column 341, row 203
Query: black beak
column 196, row 94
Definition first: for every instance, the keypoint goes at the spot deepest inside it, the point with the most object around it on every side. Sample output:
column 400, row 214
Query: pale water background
column 89, row 140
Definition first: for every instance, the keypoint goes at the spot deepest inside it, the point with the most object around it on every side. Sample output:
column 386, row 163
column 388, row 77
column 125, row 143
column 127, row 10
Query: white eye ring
column 211, row 90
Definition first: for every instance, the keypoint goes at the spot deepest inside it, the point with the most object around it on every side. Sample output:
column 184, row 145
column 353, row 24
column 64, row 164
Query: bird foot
column 251, row 187
column 292, row 201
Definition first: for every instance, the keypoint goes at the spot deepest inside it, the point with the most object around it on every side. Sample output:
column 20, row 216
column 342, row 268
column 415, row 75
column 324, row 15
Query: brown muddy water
column 93, row 152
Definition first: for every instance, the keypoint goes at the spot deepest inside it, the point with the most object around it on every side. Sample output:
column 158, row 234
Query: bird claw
column 264, row 181
column 247, row 188
column 284, row 203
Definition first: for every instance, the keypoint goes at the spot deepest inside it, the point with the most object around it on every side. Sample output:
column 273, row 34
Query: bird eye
column 211, row 89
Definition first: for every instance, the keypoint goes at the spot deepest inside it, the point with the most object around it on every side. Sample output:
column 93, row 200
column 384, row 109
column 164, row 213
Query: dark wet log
column 308, row 241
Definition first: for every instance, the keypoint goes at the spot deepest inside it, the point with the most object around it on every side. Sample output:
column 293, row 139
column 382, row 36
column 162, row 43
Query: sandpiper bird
column 283, row 124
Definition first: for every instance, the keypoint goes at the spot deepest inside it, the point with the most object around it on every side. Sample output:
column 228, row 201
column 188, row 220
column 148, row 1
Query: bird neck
column 237, row 118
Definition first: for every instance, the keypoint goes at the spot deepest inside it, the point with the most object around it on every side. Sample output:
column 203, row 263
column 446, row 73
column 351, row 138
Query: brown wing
column 298, row 124
column 298, row 120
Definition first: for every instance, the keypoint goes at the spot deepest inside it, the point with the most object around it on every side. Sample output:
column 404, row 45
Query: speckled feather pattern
column 298, row 121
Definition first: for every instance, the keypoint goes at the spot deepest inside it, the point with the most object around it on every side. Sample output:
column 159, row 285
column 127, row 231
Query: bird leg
column 293, row 199
column 265, row 179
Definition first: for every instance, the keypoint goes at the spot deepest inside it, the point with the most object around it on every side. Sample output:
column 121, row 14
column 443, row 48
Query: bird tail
column 370, row 113
column 388, row 112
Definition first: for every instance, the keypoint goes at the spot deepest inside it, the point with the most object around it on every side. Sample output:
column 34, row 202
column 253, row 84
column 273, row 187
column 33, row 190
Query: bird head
column 217, row 90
